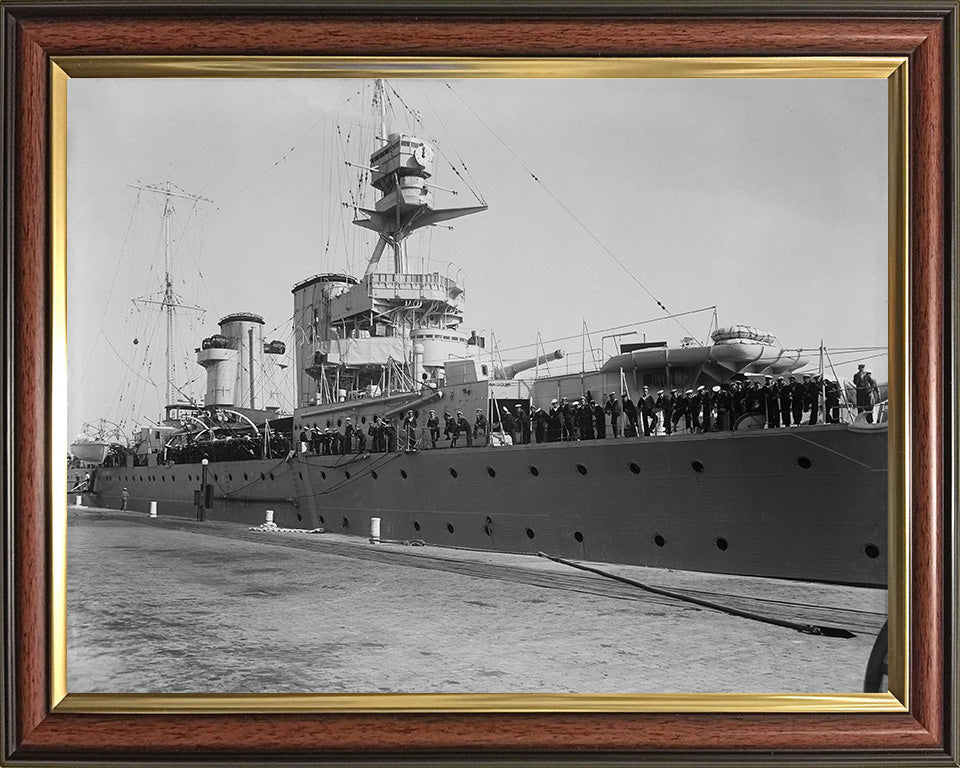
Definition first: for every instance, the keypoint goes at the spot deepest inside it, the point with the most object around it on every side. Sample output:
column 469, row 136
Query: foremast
column 389, row 331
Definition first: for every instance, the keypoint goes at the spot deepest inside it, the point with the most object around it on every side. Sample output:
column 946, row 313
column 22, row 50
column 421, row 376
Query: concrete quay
column 164, row 605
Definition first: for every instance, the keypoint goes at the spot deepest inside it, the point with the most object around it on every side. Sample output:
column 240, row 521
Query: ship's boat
column 404, row 417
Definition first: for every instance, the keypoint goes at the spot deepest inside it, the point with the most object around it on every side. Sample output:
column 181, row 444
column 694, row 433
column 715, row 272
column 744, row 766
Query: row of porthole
column 190, row 478
column 802, row 461
column 870, row 550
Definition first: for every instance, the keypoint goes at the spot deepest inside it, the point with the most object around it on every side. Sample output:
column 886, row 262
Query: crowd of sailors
column 228, row 448
column 781, row 402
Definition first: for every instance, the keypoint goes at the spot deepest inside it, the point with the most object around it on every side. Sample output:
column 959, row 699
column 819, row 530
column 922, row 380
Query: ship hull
column 802, row 503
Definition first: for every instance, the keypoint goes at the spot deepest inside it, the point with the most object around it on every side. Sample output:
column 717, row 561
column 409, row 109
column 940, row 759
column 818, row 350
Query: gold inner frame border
column 892, row 69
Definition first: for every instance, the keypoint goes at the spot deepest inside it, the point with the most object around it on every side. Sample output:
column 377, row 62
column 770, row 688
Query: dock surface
column 169, row 605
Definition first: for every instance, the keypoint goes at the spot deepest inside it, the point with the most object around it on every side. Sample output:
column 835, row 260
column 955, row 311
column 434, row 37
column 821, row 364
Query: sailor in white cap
column 612, row 408
column 540, row 421
column 433, row 425
column 666, row 402
column 871, row 395
column 784, row 398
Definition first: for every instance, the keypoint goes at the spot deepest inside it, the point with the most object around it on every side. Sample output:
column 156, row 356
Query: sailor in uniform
column 772, row 402
column 798, row 395
column 554, row 422
column 632, row 427
column 410, row 429
column 721, row 404
column 524, row 424
column 612, row 407
column 509, row 424
column 433, row 425
column 480, row 426
column 540, row 421
column 783, row 394
column 665, row 404
column 648, row 408
column 566, row 419
column 600, row 421
column 585, row 417
column 463, row 427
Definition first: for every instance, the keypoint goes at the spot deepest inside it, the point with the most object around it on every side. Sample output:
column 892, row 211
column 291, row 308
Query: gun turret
column 509, row 371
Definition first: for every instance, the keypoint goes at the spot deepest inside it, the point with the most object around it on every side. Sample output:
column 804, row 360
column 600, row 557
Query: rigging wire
column 564, row 206
column 613, row 328
column 106, row 303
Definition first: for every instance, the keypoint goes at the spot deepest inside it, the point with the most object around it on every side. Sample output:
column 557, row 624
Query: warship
column 375, row 355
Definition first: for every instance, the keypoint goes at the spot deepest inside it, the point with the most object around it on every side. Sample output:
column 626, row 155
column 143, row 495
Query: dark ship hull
column 806, row 503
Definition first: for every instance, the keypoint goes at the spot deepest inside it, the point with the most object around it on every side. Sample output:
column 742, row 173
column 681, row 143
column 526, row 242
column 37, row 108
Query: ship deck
column 171, row 605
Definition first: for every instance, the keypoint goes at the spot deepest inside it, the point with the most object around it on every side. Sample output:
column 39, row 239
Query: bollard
column 374, row 530
column 79, row 501
column 269, row 517
column 153, row 509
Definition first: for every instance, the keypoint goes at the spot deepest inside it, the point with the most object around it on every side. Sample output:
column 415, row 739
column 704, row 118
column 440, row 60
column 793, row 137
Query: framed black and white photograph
column 623, row 360
column 470, row 385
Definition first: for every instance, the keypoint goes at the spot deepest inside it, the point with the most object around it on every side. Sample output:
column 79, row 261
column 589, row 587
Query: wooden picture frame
column 35, row 34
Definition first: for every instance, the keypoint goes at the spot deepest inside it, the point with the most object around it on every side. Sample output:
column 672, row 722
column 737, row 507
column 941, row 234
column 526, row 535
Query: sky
column 765, row 198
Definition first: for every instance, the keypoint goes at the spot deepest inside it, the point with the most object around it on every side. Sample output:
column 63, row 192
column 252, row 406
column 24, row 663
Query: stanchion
column 374, row 530
column 153, row 509
column 79, row 501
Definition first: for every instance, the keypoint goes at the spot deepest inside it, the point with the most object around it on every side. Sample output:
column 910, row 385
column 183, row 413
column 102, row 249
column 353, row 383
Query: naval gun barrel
column 427, row 396
column 509, row 371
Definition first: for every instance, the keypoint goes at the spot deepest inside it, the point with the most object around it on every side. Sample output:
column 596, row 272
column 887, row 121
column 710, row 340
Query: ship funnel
column 509, row 371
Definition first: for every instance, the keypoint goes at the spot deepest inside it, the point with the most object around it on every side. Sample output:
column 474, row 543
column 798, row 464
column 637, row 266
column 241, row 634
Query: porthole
column 453, row 472
column 344, row 522
column 229, row 476
column 449, row 527
column 328, row 424
column 363, row 419
column 403, row 474
column 697, row 466
column 163, row 478
column 721, row 543
column 374, row 474
column 534, row 471
column 339, row 423
column 416, row 525
column 491, row 471
column 216, row 477
column 244, row 476
column 323, row 475
column 803, row 462
column 299, row 518
column 578, row 536
column 271, row 475
column 488, row 530
column 346, row 475
column 872, row 551
column 581, row 469
column 530, row 533
column 659, row 540
column 634, row 467
column 300, row 475
column 189, row 478
column 262, row 476
column 322, row 521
